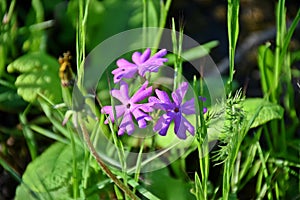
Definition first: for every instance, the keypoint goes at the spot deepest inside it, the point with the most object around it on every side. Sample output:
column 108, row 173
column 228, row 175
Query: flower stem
column 103, row 166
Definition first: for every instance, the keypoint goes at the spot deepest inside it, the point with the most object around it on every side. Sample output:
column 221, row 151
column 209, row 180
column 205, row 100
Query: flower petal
column 189, row 126
column 142, row 93
column 160, row 53
column 163, row 96
column 179, row 94
column 123, row 63
column 126, row 124
column 141, row 117
column 163, row 123
column 188, row 107
column 145, row 56
column 163, row 101
column 136, row 58
column 123, row 72
column 122, row 93
column 181, row 126
column 120, row 110
column 146, row 107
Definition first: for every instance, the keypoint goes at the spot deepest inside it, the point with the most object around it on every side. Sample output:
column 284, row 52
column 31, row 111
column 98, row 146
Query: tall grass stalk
column 177, row 51
column 164, row 9
column 202, row 144
column 233, row 32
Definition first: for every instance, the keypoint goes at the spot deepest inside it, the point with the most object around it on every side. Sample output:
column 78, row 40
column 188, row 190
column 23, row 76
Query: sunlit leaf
column 161, row 184
column 50, row 176
column 262, row 111
column 39, row 74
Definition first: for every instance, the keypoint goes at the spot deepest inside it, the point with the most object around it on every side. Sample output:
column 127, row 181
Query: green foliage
column 260, row 111
column 110, row 17
column 39, row 74
column 50, row 175
column 10, row 101
column 166, row 187
column 66, row 170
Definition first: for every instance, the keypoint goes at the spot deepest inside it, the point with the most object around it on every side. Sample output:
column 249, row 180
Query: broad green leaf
column 49, row 176
column 166, row 187
column 39, row 74
column 262, row 111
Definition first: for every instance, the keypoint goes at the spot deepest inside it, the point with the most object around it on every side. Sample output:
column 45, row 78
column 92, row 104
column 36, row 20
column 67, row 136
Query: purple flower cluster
column 131, row 107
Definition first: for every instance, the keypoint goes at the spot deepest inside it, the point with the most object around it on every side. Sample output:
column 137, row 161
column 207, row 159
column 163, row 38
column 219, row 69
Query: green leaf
column 266, row 67
column 10, row 101
column 39, row 74
column 49, row 175
column 165, row 187
column 259, row 111
column 198, row 188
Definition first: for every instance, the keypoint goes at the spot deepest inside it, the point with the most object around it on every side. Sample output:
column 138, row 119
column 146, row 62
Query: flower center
column 176, row 110
column 128, row 105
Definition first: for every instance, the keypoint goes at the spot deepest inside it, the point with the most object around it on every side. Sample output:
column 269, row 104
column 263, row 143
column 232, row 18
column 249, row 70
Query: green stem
column 164, row 13
column 74, row 164
column 28, row 134
column 233, row 31
column 139, row 163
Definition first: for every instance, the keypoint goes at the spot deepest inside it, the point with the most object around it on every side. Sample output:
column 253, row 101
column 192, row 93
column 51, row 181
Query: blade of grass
column 233, row 32
column 28, row 134
column 48, row 133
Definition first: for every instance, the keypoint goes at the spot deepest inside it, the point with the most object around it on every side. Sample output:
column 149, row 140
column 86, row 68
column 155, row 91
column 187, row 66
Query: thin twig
column 103, row 166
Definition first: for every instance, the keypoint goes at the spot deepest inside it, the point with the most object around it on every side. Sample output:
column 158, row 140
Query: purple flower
column 129, row 108
column 142, row 63
column 174, row 111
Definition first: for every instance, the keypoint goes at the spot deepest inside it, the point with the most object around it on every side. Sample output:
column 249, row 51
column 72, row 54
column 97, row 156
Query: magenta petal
column 123, row 63
column 122, row 93
column 145, row 56
column 163, row 96
column 136, row 58
column 153, row 100
column 179, row 94
column 160, row 53
column 163, row 123
column 142, row 93
column 126, row 124
column 181, row 126
column 188, row 107
column 120, row 109
column 146, row 107
column 120, row 73
column 141, row 118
